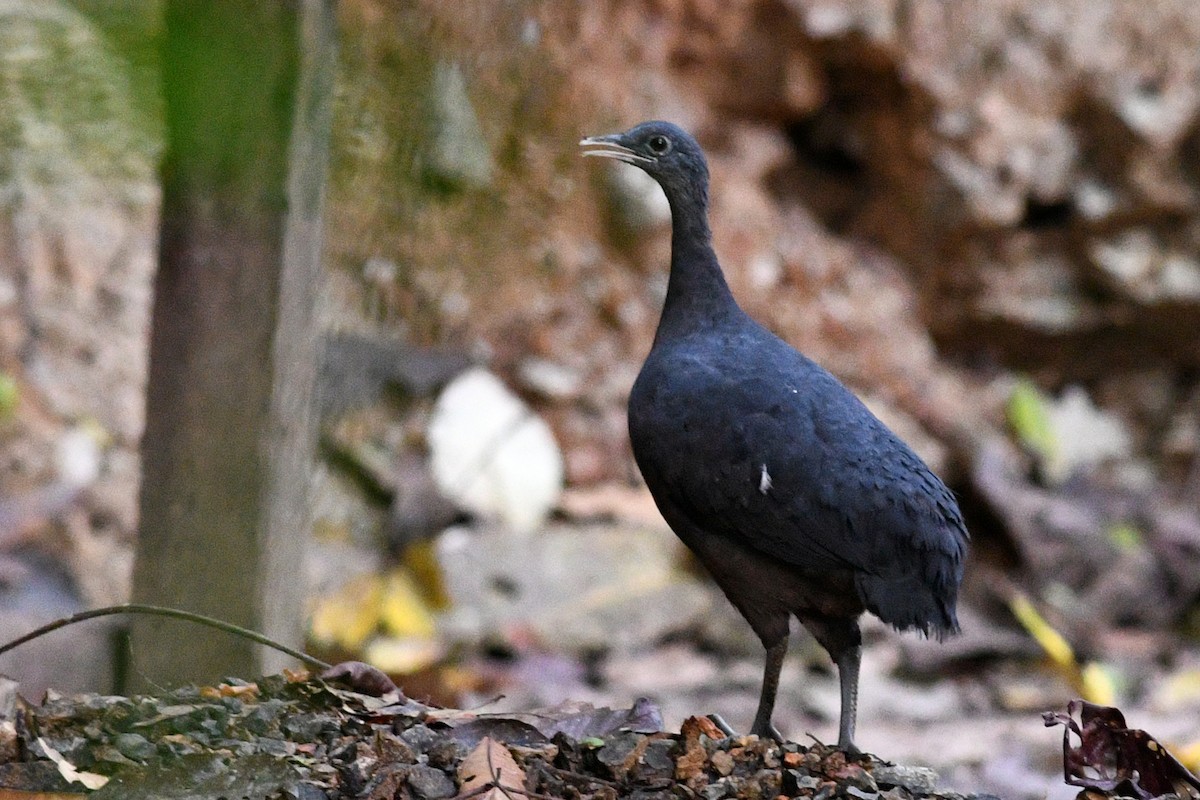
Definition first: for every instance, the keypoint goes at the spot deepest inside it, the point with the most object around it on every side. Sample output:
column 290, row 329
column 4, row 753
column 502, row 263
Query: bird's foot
column 767, row 731
column 850, row 749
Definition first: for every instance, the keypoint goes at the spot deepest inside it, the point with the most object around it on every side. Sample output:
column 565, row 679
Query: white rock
column 459, row 152
column 1129, row 257
column 78, row 455
column 1086, row 435
column 550, row 379
column 491, row 454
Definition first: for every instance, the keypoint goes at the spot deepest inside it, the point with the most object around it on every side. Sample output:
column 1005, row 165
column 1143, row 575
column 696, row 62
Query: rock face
column 923, row 197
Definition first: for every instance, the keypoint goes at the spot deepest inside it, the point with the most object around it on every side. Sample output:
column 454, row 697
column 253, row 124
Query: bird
column 792, row 494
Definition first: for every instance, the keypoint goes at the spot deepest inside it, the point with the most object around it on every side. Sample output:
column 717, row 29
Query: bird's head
column 665, row 151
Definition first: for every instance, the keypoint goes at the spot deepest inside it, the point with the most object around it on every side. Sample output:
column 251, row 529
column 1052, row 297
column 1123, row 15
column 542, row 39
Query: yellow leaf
column 402, row 656
column 1189, row 755
column 348, row 616
column 1180, row 688
column 1051, row 641
column 421, row 560
column 490, row 764
column 1093, row 680
column 403, row 612
column 1096, row 684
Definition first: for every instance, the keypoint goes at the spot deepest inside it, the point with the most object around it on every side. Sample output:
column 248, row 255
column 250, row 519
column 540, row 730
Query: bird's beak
column 610, row 147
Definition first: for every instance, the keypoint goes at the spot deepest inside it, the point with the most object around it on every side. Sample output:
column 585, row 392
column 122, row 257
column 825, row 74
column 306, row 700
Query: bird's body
column 794, row 496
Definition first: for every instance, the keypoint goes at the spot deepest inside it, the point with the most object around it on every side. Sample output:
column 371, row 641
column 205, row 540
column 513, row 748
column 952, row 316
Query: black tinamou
column 787, row 488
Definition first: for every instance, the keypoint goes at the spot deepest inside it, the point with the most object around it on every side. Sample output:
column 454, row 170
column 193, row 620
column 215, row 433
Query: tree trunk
column 229, row 441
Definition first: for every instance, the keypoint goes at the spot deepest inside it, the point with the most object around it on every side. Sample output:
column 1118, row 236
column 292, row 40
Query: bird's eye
column 659, row 144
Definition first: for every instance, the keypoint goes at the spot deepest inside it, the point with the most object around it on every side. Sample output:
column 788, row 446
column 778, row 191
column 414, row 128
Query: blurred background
column 982, row 216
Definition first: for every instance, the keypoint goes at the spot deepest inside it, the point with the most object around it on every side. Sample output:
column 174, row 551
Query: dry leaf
column 490, row 764
column 348, row 616
column 403, row 612
column 361, row 677
column 90, row 780
column 1111, row 757
column 227, row 690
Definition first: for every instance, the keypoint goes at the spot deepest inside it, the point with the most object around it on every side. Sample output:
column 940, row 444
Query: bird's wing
column 797, row 468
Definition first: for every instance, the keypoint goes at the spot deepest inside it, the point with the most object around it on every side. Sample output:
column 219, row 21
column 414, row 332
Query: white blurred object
column 78, row 454
column 491, row 454
column 1086, row 435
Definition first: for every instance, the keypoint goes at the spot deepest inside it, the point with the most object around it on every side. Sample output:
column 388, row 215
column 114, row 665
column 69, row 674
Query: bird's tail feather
column 908, row 603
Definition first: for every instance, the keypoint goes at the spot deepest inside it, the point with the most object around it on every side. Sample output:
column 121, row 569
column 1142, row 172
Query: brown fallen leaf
column 249, row 691
column 576, row 720
column 1112, row 757
column 361, row 677
column 490, row 764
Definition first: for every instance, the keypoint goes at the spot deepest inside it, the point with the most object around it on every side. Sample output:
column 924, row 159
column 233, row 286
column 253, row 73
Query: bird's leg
column 722, row 725
column 762, row 726
column 847, row 664
column 841, row 637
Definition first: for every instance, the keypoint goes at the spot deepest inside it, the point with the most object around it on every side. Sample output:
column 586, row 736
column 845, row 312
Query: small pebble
column 420, row 738
column 444, row 753
column 657, row 759
column 858, row 778
column 715, row 790
column 859, row 794
column 617, row 748
column 722, row 762
column 918, row 780
column 135, row 746
column 430, row 783
column 796, row 781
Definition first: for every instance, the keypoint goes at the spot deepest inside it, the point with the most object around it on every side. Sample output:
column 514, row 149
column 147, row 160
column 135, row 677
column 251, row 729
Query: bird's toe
column 850, row 749
column 767, row 731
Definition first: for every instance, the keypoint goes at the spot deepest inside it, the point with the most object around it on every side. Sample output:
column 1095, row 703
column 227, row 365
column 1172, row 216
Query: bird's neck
column 697, row 294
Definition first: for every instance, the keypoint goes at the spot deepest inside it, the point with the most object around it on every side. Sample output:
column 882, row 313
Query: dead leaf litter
column 297, row 736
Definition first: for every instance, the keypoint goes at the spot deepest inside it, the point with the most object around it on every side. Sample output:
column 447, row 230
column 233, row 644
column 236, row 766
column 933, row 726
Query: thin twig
column 507, row 791
column 495, row 773
column 568, row 773
column 478, row 790
column 525, row 793
column 160, row 611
